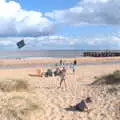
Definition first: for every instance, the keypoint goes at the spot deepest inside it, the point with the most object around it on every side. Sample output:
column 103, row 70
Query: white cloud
column 6, row 42
column 15, row 21
column 62, row 42
column 100, row 12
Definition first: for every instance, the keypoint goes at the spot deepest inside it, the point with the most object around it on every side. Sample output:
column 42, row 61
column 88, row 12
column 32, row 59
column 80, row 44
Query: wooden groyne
column 101, row 53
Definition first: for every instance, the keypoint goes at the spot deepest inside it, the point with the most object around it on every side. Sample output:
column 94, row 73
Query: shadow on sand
column 34, row 75
column 73, row 109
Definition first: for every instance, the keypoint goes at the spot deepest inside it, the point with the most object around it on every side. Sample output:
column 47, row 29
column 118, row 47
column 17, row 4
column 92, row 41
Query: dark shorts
column 62, row 78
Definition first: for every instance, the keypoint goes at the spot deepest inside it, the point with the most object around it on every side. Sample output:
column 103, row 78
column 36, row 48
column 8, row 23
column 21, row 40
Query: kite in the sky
column 21, row 44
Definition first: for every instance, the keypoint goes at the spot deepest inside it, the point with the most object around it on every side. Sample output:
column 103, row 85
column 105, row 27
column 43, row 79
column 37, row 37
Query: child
column 82, row 106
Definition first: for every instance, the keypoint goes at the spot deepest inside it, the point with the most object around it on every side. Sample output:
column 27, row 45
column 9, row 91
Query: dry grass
column 18, row 108
column 17, row 105
column 111, row 82
column 110, row 79
column 13, row 85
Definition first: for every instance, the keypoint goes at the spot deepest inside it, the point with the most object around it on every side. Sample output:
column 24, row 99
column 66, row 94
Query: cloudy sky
column 60, row 24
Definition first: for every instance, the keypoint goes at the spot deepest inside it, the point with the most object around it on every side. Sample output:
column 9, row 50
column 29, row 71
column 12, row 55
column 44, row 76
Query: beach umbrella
column 20, row 44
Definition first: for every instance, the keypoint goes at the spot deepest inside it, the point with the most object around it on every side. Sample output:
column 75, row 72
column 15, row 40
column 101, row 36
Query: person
column 61, row 62
column 82, row 106
column 48, row 73
column 75, row 62
column 57, row 72
column 62, row 76
column 74, row 66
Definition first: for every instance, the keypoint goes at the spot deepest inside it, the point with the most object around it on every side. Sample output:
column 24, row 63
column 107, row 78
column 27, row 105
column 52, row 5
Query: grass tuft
column 13, row 85
column 18, row 108
column 109, row 79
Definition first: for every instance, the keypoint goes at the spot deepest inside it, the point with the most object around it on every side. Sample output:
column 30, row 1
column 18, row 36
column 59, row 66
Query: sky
column 60, row 24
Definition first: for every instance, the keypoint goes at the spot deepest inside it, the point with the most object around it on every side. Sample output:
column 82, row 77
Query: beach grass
column 109, row 79
column 18, row 108
column 9, row 85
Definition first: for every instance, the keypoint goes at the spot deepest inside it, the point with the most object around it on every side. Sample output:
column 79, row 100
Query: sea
column 41, row 54
column 47, row 54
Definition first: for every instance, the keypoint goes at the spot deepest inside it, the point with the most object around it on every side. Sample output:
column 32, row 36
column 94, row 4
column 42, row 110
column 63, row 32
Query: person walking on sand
column 62, row 77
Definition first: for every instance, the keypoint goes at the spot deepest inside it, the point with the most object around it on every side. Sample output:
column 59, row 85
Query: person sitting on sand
column 48, row 73
column 62, row 76
column 82, row 106
column 57, row 72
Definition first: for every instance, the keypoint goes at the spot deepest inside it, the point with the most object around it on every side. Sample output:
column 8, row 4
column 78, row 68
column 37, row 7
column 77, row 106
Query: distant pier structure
column 102, row 53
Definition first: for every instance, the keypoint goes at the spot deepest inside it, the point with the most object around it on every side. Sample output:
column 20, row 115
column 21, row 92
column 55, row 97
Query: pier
column 101, row 53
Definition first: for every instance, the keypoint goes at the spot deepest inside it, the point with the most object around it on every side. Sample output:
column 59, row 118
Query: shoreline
column 53, row 65
column 27, row 63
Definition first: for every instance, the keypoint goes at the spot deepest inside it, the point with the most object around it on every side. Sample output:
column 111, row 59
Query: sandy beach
column 5, row 62
column 41, row 99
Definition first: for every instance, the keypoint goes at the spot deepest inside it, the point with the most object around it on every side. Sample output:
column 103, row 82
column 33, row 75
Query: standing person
column 75, row 62
column 74, row 65
column 73, row 68
column 61, row 62
column 62, row 76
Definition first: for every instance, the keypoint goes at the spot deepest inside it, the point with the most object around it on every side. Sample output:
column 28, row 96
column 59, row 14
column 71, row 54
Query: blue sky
column 60, row 24
column 47, row 5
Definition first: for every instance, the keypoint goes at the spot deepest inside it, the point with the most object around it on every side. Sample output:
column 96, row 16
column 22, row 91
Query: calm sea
column 46, row 54
column 41, row 54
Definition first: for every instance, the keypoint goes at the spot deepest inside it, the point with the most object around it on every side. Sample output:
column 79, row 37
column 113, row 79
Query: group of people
column 61, row 72
column 82, row 105
column 72, row 65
